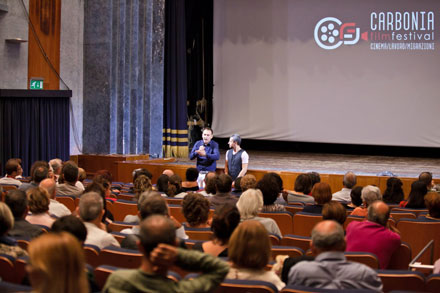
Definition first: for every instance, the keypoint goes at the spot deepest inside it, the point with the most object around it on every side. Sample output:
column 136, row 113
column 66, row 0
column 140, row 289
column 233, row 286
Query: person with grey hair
column 369, row 195
column 250, row 204
column 237, row 159
column 330, row 269
column 91, row 210
column 348, row 183
column 57, row 165
column 373, row 235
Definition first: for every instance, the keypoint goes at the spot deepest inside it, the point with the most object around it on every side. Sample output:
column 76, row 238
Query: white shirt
column 58, row 209
column 80, row 185
column 342, row 195
column 8, row 180
column 40, row 219
column 255, row 275
column 99, row 237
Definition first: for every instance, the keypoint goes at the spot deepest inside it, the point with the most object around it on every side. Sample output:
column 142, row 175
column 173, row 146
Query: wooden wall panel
column 46, row 18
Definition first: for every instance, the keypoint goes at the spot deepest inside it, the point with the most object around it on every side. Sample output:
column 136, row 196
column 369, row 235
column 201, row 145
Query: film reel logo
column 331, row 33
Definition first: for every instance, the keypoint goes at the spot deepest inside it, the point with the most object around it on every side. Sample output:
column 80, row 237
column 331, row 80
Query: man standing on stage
column 237, row 159
column 207, row 153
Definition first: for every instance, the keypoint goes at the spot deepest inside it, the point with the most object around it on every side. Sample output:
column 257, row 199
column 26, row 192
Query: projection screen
column 339, row 71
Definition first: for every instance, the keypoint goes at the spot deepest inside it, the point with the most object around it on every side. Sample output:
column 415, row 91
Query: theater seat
column 199, row 233
column 118, row 226
column 284, row 220
column 7, row 268
column 120, row 257
column 433, row 283
column 303, row 289
column 91, row 253
column 303, row 223
column 245, row 286
column 402, row 280
column 121, row 208
column 302, row 242
column 401, row 258
column 366, row 258
column 102, row 273
column 68, row 201
column 286, row 250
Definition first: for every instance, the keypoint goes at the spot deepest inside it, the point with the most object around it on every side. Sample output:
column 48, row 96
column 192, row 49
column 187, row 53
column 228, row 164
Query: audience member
column 426, row 177
column 141, row 185
column 394, row 192
column 195, row 209
column 209, row 183
column 322, row 194
column 12, row 168
column 162, row 184
column 138, row 172
column 168, row 172
column 249, row 252
column 8, row 245
column 281, row 199
column 18, row 203
column 57, row 264
column 175, row 187
column 39, row 172
column 82, row 175
column 356, row 197
column 223, row 184
column 416, row 197
column 71, row 224
column 97, row 187
column 56, row 165
column 91, row 210
column 191, row 176
column 236, row 187
column 69, row 174
column 334, row 210
column 250, row 204
column 39, row 207
column 348, row 183
column 55, row 208
column 157, row 240
column 432, row 202
column 270, row 189
column 315, row 177
column 236, row 159
column 248, row 182
column 373, row 235
column 369, row 195
column 330, row 269
column 224, row 222
column 301, row 190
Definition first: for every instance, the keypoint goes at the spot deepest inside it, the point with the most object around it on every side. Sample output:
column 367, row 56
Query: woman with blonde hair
column 249, row 252
column 250, row 204
column 56, row 264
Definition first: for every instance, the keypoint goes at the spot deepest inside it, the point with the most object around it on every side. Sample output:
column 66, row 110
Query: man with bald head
column 330, row 269
column 373, row 235
column 55, row 208
column 159, row 252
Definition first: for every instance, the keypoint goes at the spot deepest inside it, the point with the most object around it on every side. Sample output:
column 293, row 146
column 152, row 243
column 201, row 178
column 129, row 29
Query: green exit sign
column 36, row 84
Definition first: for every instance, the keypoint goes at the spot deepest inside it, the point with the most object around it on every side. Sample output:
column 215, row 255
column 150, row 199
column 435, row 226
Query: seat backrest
column 91, row 253
column 294, row 208
column 351, row 219
column 274, row 239
column 120, row 257
column 122, row 208
column 245, row 286
column 118, row 236
column 284, row 220
column 303, row 223
column 417, row 233
column 102, row 273
column 402, row 280
column 397, row 215
column 126, row 196
column 7, row 268
column 20, row 269
column 176, row 212
column 195, row 234
column 401, row 258
column 433, row 283
column 366, row 258
column 119, row 226
column 291, row 251
column 302, row 242
column 68, row 201
column 190, row 243
column 172, row 200
column 408, row 210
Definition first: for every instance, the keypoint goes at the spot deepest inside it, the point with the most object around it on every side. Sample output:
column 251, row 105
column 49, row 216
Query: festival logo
column 330, row 33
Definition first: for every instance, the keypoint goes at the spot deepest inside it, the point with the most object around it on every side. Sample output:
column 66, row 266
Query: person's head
column 56, row 165
column 141, row 171
column 322, row 193
column 237, row 183
column 191, row 174
column 416, row 197
column 18, row 203
column 105, row 174
column 234, row 141
column 394, row 192
column 248, row 181
column 250, row 203
column 355, row 195
column 223, row 183
column 11, row 167
column 6, row 219
column 370, row 194
column 57, row 264
column 174, row 185
column 82, row 175
column 91, row 207
column 162, row 183
column 210, row 183
column 154, row 230
column 379, row 212
column 154, row 204
column 207, row 135
column 168, row 172
column 335, row 211
column 70, row 172
column 39, row 171
column 142, row 184
column 70, row 224
column 249, row 246
column 303, row 184
column 315, row 177
column 349, row 180
column 97, row 187
column 327, row 235
column 38, row 200
column 195, row 208
column 426, row 177
column 270, row 189
column 49, row 185
column 225, row 220
column 432, row 202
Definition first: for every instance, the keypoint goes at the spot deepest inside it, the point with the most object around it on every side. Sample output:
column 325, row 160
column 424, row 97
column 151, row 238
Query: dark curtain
column 199, row 40
column 175, row 135
column 34, row 129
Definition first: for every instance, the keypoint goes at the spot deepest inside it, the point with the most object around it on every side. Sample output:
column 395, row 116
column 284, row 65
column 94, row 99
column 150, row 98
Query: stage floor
column 336, row 164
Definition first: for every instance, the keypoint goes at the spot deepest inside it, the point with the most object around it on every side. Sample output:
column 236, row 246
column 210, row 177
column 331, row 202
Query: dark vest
column 234, row 163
